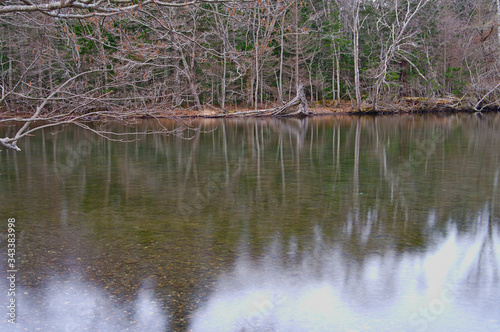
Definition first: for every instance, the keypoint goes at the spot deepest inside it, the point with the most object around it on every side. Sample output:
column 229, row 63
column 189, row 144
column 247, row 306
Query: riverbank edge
column 407, row 105
column 322, row 111
column 427, row 106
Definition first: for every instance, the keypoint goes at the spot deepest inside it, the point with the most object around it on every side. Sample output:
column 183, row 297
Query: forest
column 79, row 57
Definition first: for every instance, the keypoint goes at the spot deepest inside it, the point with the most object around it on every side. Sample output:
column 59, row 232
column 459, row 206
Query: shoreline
column 417, row 106
column 321, row 111
column 407, row 105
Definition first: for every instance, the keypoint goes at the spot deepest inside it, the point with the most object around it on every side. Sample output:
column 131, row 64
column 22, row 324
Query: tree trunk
column 223, row 87
column 282, row 50
column 333, row 71
column 357, row 84
column 498, row 21
column 297, row 48
column 194, row 92
column 338, row 74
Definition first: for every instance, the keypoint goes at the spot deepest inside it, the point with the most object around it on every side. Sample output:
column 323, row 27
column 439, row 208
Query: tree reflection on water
column 382, row 223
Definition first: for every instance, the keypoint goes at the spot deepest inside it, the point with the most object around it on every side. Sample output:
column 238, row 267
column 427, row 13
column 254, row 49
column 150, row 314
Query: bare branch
column 484, row 97
column 95, row 7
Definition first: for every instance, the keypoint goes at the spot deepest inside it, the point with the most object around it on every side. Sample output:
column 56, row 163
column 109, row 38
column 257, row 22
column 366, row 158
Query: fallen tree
column 79, row 110
column 300, row 100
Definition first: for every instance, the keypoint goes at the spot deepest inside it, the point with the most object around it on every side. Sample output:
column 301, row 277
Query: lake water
column 344, row 223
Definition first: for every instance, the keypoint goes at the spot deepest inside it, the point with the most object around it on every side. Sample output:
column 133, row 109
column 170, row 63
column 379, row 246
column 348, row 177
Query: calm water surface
column 322, row 224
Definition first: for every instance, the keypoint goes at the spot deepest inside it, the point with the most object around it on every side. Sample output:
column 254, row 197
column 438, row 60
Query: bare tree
column 354, row 21
column 399, row 38
column 71, row 61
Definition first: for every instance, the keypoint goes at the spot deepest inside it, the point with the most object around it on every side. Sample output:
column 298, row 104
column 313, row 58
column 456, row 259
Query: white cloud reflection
column 73, row 305
column 453, row 285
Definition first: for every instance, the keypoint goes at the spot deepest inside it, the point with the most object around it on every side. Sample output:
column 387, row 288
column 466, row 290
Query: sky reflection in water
column 73, row 305
column 382, row 224
column 452, row 286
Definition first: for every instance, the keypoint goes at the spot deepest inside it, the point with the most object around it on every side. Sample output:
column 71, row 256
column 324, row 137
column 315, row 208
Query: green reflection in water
column 178, row 211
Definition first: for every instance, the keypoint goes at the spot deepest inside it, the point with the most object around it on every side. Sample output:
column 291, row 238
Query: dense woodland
column 80, row 56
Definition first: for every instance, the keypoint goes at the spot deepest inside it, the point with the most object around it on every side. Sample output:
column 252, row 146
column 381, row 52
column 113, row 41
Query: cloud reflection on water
column 73, row 305
column 453, row 286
